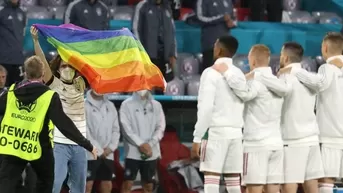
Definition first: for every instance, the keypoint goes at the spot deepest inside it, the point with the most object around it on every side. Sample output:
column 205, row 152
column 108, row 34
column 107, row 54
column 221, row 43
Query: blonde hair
column 34, row 67
column 261, row 53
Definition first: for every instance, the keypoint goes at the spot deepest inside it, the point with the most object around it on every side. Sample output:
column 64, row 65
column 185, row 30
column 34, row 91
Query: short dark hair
column 294, row 51
column 229, row 43
column 336, row 41
column 3, row 69
column 34, row 67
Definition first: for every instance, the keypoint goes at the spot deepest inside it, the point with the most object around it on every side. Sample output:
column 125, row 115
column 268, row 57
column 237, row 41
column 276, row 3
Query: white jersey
column 298, row 122
column 73, row 104
column 329, row 83
column 219, row 109
column 262, row 112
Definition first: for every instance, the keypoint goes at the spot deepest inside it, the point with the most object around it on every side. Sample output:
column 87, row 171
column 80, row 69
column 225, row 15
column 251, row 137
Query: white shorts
column 302, row 163
column 332, row 162
column 223, row 156
column 263, row 167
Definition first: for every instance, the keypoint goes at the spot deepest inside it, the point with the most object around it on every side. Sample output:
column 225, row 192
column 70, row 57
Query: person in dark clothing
column 153, row 25
column 3, row 77
column 176, row 8
column 12, row 29
column 215, row 18
column 23, row 107
column 89, row 14
column 3, row 89
column 273, row 7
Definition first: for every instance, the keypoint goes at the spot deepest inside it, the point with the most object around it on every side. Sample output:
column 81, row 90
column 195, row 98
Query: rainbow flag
column 111, row 61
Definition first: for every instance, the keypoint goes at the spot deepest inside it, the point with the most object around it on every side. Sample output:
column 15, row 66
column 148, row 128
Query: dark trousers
column 11, row 170
column 166, row 70
column 274, row 10
column 13, row 73
column 28, row 183
column 207, row 59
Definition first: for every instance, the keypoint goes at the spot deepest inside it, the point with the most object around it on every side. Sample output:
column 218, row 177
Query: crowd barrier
column 115, row 97
column 247, row 33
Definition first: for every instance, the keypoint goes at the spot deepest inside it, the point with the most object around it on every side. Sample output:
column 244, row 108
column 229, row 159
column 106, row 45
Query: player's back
column 330, row 107
column 262, row 116
column 298, row 118
column 227, row 107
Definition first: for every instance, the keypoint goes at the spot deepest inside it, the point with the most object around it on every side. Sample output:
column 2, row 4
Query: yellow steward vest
column 22, row 125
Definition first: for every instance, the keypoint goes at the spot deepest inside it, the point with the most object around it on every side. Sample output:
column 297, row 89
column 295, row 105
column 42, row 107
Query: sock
column 233, row 184
column 211, row 184
column 325, row 188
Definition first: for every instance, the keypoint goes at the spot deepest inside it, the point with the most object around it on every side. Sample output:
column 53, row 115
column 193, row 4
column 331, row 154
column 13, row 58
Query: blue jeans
column 70, row 159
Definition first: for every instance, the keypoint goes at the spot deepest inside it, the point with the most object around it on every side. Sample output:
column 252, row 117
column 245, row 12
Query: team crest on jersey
column 98, row 11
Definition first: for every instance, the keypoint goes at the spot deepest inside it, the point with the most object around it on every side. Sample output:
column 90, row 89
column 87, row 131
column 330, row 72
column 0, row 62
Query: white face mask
column 67, row 74
column 142, row 93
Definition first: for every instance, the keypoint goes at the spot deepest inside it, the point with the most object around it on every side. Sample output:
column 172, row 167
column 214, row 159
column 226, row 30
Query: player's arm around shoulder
column 276, row 85
column 237, row 81
column 316, row 81
column 245, row 87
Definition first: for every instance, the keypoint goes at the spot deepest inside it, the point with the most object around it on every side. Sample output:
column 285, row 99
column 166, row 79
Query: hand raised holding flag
column 111, row 61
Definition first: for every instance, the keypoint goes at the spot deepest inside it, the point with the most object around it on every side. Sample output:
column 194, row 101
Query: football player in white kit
column 220, row 121
column 263, row 146
column 329, row 83
column 303, row 162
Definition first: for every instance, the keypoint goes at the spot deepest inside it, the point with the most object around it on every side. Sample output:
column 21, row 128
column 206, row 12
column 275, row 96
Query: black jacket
column 28, row 94
column 210, row 14
column 146, row 22
column 92, row 16
column 12, row 25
